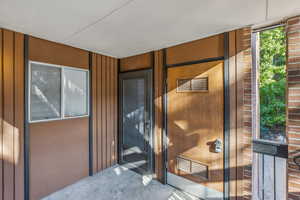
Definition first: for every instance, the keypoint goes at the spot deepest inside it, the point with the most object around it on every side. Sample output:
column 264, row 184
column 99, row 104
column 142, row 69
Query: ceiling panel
column 123, row 28
column 145, row 25
column 54, row 20
column 283, row 8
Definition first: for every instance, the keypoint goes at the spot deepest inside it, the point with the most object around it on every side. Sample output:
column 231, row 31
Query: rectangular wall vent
column 192, row 85
column 183, row 165
column 193, row 168
column 199, row 170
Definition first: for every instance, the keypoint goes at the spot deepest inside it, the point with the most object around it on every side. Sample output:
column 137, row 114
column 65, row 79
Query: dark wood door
column 195, row 112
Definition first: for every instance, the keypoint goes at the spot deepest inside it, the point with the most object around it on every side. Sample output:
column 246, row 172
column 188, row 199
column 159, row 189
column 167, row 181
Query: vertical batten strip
column 99, row 111
column 103, row 111
column 108, row 136
column 1, row 114
column 19, row 116
column 8, row 123
column 90, row 128
column 114, row 112
column 93, row 95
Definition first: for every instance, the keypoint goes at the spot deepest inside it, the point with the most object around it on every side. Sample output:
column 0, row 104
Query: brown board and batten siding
column 59, row 150
column 240, row 98
column 211, row 47
column 138, row 62
column 12, row 115
column 104, row 94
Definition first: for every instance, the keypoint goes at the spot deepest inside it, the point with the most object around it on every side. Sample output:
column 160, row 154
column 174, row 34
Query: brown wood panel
column 158, row 117
column 62, row 142
column 58, row 155
column 210, row 47
column 12, row 113
column 55, row 53
column 8, row 115
column 195, row 121
column 105, row 104
column 19, row 116
column 141, row 61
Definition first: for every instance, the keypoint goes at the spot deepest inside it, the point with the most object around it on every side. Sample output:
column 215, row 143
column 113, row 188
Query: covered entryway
column 136, row 146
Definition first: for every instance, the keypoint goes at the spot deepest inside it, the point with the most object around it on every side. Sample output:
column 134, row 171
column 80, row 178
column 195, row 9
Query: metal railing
column 271, row 172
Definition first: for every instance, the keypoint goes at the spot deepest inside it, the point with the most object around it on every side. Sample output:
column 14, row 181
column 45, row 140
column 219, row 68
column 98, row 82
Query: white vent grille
column 192, row 85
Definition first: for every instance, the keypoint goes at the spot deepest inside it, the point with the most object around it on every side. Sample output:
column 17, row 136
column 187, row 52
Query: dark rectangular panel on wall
column 55, row 53
column 12, row 118
column 105, row 75
column 211, row 47
column 142, row 61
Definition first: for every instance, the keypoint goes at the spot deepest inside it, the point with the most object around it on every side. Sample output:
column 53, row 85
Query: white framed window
column 57, row 92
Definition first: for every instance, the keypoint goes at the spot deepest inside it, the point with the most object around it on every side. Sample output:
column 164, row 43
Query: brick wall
column 247, row 113
column 293, row 96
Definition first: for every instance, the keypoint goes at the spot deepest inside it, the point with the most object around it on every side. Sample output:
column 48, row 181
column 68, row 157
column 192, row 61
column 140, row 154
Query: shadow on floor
column 118, row 183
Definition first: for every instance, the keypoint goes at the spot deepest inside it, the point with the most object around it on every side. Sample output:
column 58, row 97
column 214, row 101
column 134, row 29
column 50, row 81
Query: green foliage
column 272, row 80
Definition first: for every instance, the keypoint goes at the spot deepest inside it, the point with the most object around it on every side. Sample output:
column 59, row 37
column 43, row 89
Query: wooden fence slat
column 269, row 177
column 280, row 178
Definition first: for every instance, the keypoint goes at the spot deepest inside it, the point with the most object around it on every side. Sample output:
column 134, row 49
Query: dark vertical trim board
column 91, row 115
column 119, row 142
column 165, row 117
column 153, row 143
column 26, row 121
column 226, row 118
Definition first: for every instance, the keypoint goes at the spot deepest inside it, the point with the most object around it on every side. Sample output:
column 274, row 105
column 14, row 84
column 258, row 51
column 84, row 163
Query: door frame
column 226, row 143
column 132, row 74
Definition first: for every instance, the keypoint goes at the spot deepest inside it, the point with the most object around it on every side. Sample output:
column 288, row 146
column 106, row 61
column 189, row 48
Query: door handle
column 218, row 146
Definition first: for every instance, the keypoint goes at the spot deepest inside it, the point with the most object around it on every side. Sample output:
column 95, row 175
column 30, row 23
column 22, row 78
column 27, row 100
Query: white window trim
column 62, row 110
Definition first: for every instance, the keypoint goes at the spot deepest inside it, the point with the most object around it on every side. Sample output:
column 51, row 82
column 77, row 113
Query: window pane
column 45, row 92
column 75, row 92
column 272, row 84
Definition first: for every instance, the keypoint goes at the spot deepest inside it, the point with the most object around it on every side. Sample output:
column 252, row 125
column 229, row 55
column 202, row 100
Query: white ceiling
column 123, row 28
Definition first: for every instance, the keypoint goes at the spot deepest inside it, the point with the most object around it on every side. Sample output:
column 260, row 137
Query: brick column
column 293, row 102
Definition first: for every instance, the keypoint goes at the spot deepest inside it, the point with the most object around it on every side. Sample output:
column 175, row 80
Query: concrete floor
column 118, row 183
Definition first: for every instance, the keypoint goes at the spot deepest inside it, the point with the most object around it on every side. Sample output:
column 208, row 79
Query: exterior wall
column 244, row 113
column 105, row 113
column 55, row 146
column 142, row 61
column 293, row 101
column 240, row 99
column 12, row 115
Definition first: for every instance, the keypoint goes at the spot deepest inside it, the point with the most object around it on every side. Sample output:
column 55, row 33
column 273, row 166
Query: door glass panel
column 133, row 115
